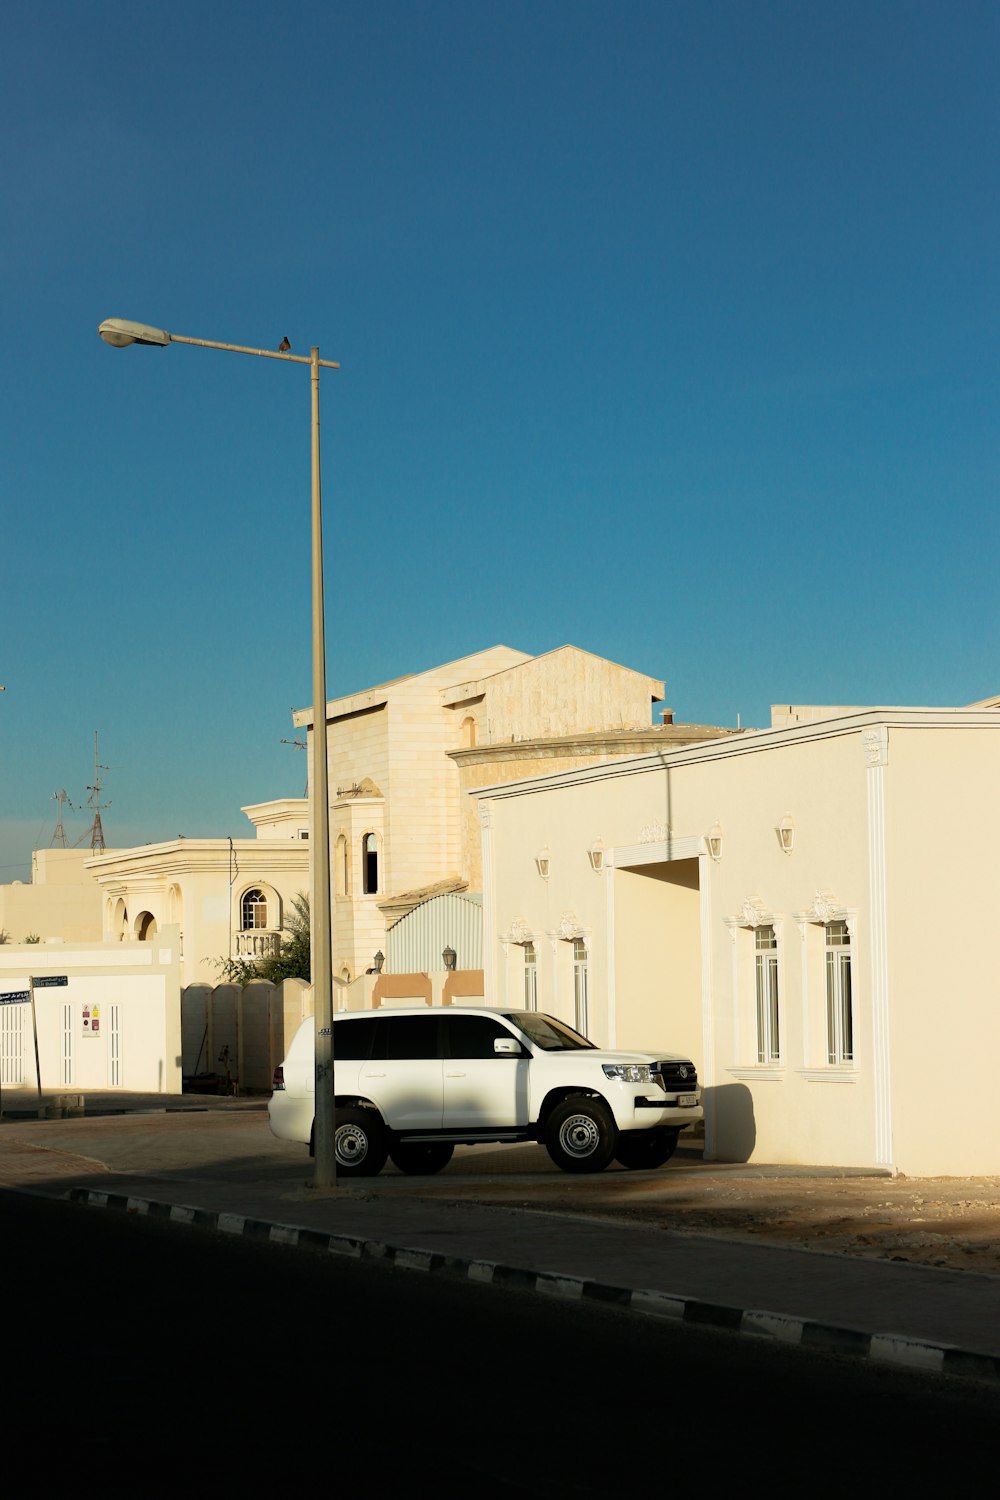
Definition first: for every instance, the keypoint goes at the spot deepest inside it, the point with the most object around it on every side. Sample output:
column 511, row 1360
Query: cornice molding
column 750, row 742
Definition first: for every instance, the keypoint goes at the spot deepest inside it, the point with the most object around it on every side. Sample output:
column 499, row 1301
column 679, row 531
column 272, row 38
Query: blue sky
column 666, row 329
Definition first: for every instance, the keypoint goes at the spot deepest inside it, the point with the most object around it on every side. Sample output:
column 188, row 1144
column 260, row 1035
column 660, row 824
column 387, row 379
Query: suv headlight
column 628, row 1072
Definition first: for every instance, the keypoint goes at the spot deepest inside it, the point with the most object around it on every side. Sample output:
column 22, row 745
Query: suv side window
column 473, row 1036
column 407, row 1038
column 352, row 1040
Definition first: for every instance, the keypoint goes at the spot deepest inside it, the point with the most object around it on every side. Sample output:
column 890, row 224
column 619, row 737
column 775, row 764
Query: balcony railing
column 257, row 942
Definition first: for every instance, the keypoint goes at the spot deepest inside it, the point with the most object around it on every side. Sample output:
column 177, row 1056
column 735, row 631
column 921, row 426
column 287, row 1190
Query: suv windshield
column 546, row 1032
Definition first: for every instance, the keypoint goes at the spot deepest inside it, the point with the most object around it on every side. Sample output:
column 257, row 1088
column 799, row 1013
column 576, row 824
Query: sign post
column 45, row 981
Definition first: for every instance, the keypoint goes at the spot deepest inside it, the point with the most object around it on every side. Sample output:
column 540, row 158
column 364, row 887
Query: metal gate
column 12, row 1044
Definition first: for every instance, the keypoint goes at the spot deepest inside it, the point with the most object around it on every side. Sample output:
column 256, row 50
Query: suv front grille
column 676, row 1076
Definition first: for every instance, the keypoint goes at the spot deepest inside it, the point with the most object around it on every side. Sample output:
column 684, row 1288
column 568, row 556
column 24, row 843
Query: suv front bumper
column 649, row 1114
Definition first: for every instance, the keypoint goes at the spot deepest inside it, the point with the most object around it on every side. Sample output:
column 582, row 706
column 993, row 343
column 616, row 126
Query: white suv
column 414, row 1084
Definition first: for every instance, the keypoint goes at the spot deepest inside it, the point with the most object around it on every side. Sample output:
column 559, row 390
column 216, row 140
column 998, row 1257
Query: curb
column 881, row 1348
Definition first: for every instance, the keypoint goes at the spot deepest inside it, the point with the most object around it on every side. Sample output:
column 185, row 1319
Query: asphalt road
column 498, row 1217
column 153, row 1358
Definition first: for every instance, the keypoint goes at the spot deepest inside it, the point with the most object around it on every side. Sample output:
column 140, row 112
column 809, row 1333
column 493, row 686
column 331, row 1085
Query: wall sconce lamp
column 450, row 958
column 378, row 961
column 543, row 860
column 713, row 841
column 786, row 834
column 596, row 856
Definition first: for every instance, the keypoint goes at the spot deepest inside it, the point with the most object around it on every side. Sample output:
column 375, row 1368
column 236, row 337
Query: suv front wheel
column 580, row 1135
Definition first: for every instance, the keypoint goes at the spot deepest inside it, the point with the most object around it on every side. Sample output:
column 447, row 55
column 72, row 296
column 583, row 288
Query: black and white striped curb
column 885, row 1348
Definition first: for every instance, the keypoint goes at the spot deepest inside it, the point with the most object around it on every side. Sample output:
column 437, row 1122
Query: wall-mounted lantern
column 713, row 841
column 596, row 856
column 450, row 958
column 542, row 860
column 786, row 834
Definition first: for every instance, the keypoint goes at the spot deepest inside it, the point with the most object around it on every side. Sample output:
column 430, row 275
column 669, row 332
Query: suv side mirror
column 507, row 1046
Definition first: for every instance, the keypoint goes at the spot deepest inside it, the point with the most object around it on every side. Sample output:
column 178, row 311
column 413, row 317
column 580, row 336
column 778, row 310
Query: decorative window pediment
column 519, row 932
column 825, row 908
column 753, row 913
column 569, row 927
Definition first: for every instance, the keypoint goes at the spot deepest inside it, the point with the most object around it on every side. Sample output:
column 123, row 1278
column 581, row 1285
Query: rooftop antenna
column 299, row 745
column 97, row 844
column 58, row 840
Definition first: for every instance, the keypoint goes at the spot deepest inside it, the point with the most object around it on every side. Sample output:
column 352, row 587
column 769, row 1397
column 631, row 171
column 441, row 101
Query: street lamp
column 120, row 332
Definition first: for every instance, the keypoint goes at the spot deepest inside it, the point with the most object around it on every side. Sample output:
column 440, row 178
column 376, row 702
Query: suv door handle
column 454, row 1072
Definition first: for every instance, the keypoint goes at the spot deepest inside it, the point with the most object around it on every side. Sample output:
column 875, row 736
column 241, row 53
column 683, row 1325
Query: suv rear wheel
column 360, row 1145
column 421, row 1158
column 580, row 1135
column 639, row 1149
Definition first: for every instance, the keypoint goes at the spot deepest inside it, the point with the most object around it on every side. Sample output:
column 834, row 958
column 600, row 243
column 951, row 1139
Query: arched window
column 175, row 904
column 369, row 864
column 253, row 910
column 468, row 733
column 342, row 867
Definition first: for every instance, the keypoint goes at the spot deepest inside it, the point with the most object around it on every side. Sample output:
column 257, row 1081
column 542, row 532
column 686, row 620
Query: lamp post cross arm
column 296, row 359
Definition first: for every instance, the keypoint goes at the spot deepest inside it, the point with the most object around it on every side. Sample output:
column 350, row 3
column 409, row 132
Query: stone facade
column 404, row 756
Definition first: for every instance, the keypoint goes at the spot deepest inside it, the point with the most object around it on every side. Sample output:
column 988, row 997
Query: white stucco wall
column 134, row 996
column 894, row 816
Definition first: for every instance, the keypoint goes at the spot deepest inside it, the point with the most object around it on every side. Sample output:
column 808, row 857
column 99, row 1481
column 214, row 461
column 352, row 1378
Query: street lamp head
column 119, row 332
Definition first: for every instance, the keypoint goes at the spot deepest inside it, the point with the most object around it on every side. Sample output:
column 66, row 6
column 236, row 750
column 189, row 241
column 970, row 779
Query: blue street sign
column 15, row 997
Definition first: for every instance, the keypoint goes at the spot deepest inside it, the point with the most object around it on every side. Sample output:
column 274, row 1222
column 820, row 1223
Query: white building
column 807, row 910
column 107, row 1016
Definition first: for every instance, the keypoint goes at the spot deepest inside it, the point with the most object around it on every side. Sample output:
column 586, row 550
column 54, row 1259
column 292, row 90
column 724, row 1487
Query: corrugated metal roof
column 417, row 941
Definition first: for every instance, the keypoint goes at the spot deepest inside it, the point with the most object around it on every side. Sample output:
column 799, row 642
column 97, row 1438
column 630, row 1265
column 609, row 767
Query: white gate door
column 12, row 1044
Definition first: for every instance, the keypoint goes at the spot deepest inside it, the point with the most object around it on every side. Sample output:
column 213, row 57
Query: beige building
column 227, row 897
column 62, row 902
column 807, row 910
column 403, row 757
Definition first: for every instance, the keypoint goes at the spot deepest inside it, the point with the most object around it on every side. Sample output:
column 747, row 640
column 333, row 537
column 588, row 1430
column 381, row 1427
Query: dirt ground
column 931, row 1221
column 949, row 1222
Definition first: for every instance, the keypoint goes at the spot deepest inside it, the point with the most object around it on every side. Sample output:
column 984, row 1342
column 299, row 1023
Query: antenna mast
column 298, row 744
column 58, row 840
column 96, row 829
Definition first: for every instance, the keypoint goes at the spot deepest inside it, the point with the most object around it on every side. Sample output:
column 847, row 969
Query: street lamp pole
column 119, row 332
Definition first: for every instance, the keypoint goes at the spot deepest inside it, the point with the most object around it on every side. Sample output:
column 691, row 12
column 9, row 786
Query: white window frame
column 530, row 976
column 766, row 990
column 840, row 1044
column 253, row 903
column 581, row 986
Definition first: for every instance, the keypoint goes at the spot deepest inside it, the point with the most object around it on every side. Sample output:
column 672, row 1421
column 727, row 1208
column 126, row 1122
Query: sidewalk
column 213, row 1162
